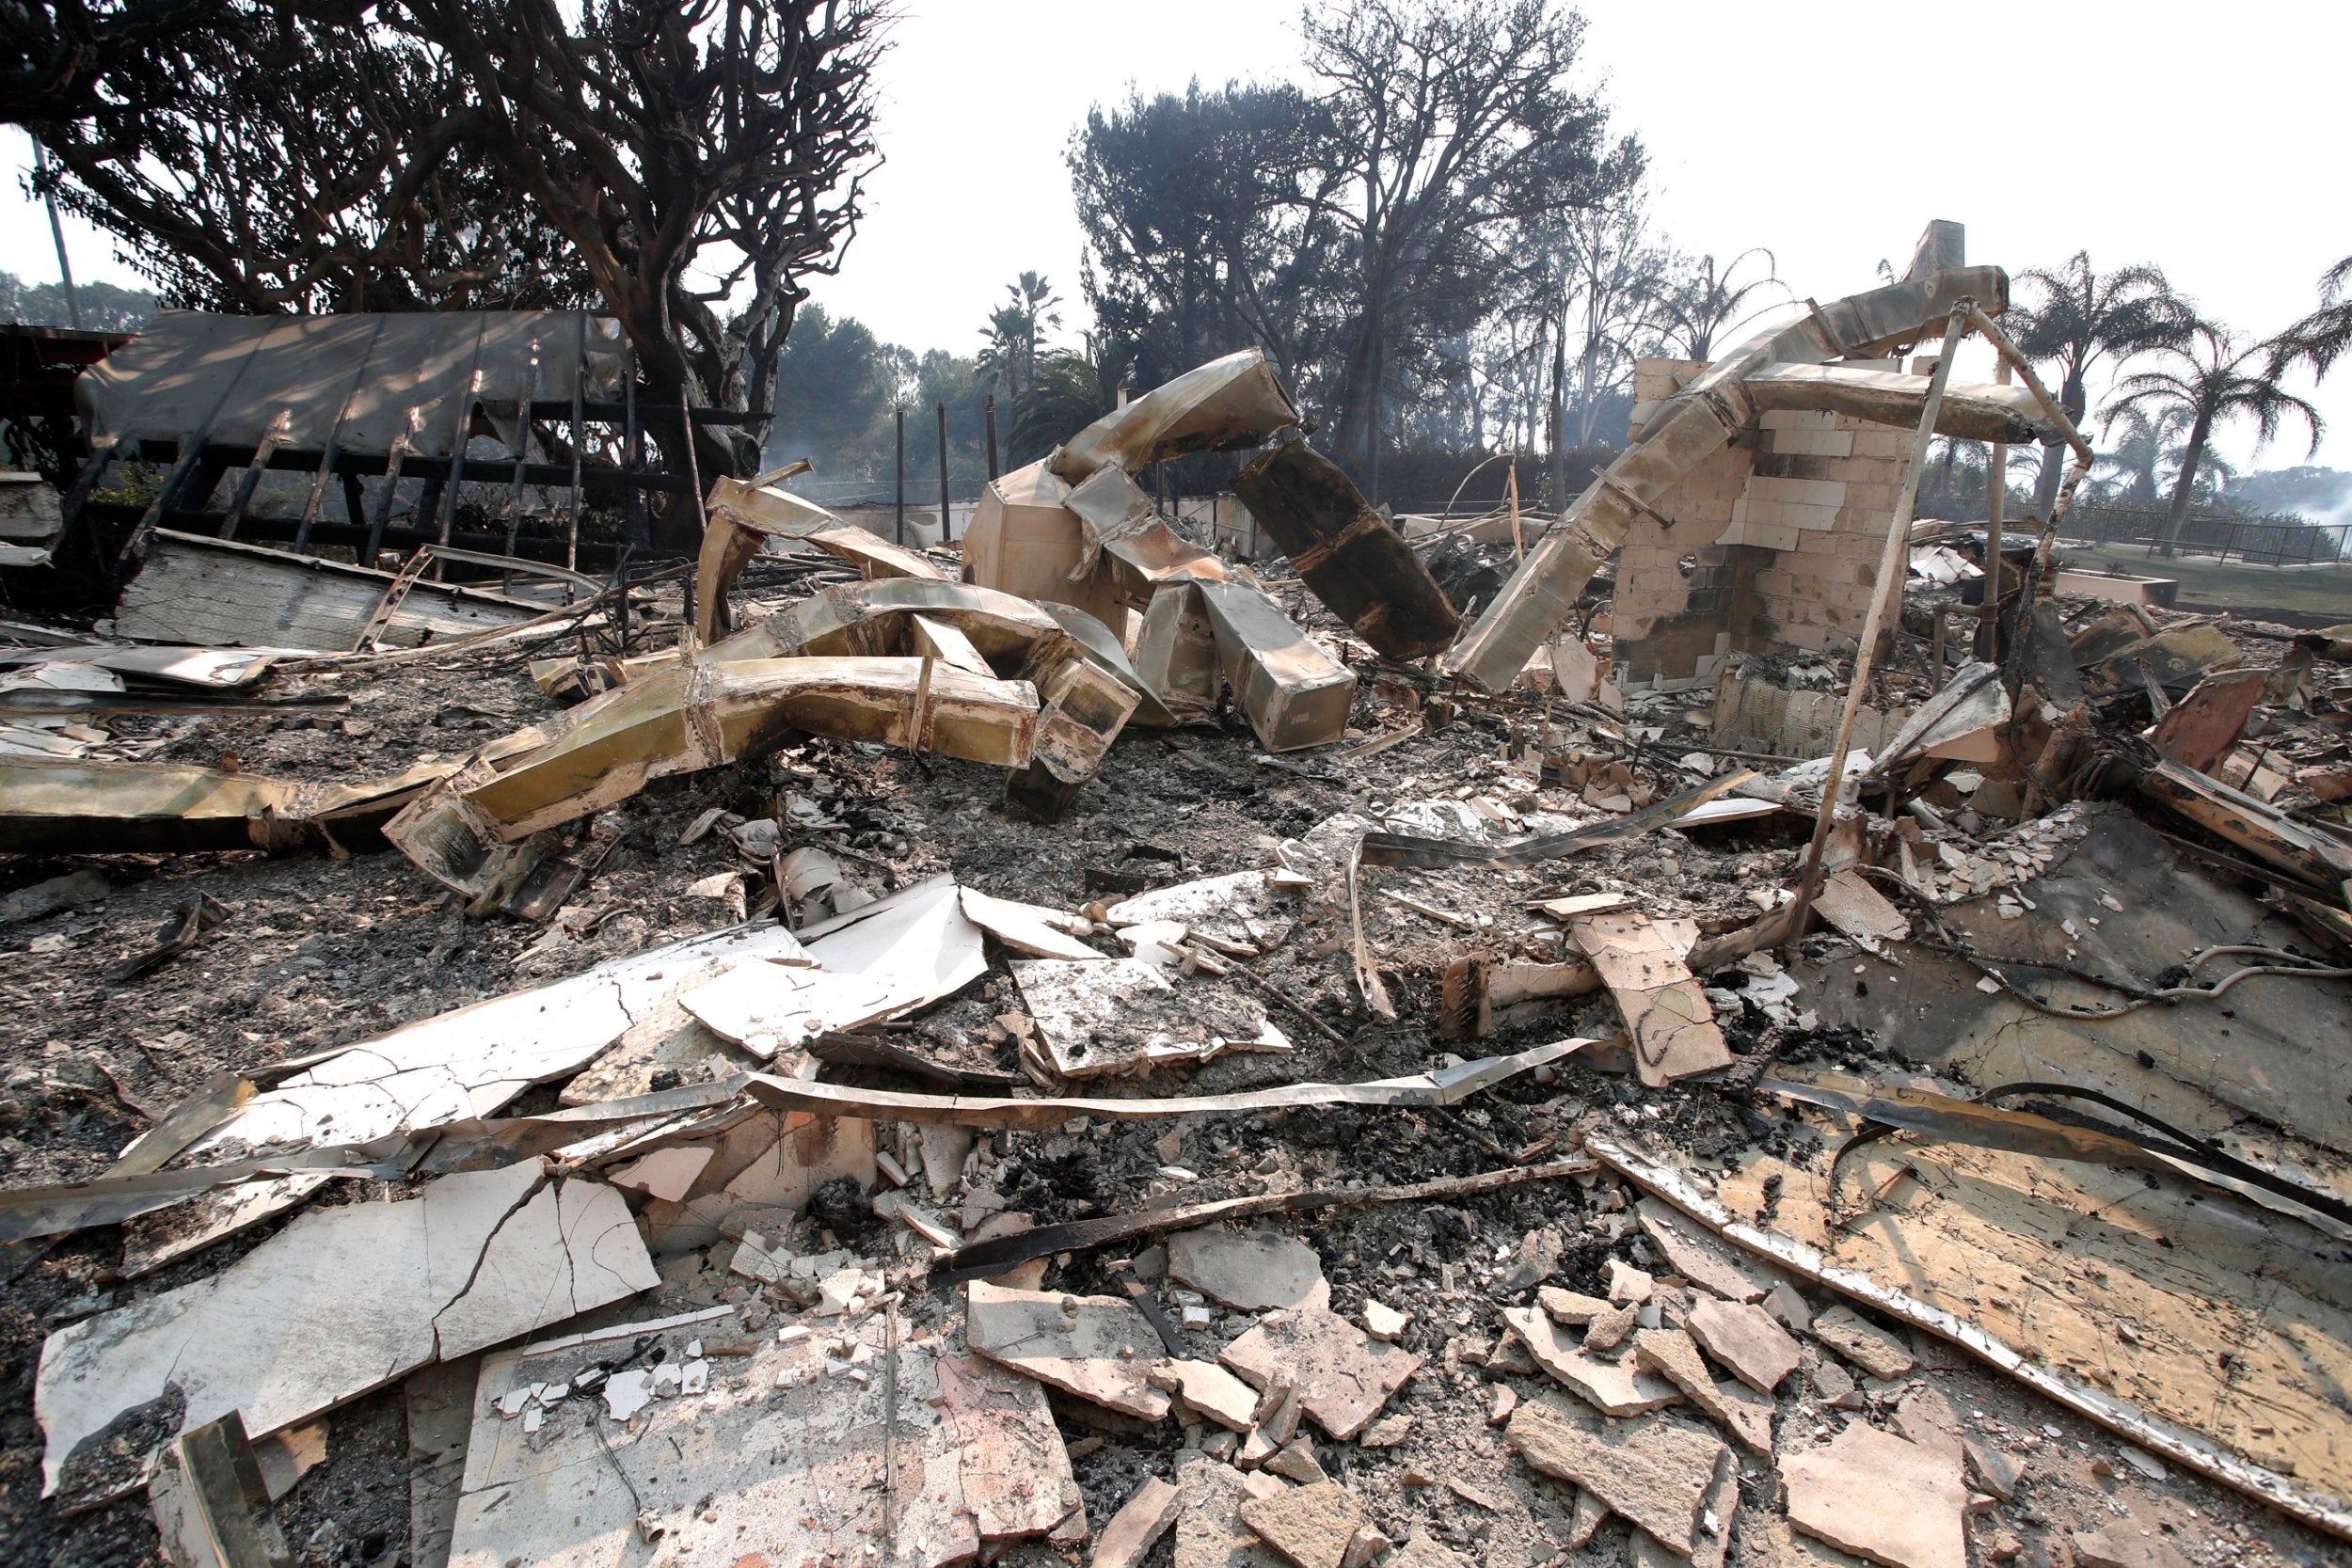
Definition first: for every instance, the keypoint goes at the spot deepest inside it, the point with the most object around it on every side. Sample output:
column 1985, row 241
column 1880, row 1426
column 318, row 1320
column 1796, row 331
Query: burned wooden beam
column 1347, row 553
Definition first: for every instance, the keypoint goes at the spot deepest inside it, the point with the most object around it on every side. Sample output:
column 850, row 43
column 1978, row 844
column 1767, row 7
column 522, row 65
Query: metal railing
column 2276, row 541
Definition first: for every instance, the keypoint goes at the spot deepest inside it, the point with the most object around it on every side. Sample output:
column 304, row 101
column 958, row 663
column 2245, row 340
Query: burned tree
column 682, row 165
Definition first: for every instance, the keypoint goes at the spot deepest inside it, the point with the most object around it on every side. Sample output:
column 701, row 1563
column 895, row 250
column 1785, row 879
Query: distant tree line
column 104, row 307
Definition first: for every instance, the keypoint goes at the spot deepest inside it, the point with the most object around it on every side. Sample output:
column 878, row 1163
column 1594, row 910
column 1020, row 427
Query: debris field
column 1070, row 1047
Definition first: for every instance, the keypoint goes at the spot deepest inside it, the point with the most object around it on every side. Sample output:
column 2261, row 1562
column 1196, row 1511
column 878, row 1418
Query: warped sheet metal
column 1347, row 552
column 742, row 516
column 1224, row 405
column 468, row 1062
column 219, row 593
column 471, row 831
column 2120, row 1323
column 885, row 958
column 350, row 379
column 1443, row 1086
column 1985, row 412
column 207, row 669
column 55, row 805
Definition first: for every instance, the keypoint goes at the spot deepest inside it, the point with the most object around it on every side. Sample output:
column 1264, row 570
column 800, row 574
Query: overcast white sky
column 2210, row 143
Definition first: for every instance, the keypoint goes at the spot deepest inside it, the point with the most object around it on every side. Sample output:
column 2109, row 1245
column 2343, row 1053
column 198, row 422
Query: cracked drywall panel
column 343, row 1300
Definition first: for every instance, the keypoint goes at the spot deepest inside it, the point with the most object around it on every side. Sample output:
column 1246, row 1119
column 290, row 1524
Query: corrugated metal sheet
column 230, row 378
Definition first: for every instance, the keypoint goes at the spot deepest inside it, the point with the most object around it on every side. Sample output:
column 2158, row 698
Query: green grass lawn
column 2207, row 584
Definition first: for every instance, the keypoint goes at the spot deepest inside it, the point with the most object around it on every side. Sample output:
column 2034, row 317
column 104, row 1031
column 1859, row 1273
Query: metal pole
column 57, row 232
column 946, row 531
column 1989, row 612
column 901, row 535
column 989, row 410
column 1888, row 590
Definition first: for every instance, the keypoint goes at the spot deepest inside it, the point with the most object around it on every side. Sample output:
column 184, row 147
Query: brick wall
column 1775, row 546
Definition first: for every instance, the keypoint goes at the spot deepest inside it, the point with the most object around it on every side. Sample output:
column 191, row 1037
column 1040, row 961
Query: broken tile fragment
column 1837, row 1387
column 1875, row 1351
column 1310, row 1526
column 1612, row 1387
column 1095, row 1347
column 1383, row 1322
column 1590, row 1514
column 1139, row 1524
column 1255, row 1270
column 1208, row 1532
column 1880, row 1497
column 1784, row 1302
column 1628, row 1284
column 2118, row 1547
column 1387, row 1433
column 1743, row 1415
column 1503, row 1399
column 1296, row 1461
column 1421, row 1551
column 1700, row 1261
column 1746, row 1340
column 1567, row 1307
column 1656, row 1473
column 1210, row 1390
column 1997, row 1472
column 1610, row 1327
column 1343, row 1376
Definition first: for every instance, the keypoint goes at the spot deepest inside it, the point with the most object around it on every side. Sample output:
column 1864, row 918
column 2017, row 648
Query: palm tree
column 1008, row 357
column 1068, row 391
column 2319, row 338
column 2214, row 380
column 2082, row 316
column 1697, row 301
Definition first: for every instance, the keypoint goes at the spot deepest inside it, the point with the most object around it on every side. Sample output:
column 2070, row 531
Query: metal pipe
column 1891, row 573
column 946, row 527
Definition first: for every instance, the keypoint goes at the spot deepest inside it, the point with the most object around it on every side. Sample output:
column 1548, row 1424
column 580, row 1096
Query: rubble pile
column 1079, row 1049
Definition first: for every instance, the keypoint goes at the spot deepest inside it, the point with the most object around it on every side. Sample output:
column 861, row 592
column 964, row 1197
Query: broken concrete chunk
column 1878, row 1497
column 1256, row 1271
column 1388, row 1432
column 1343, row 1376
column 1657, row 1473
column 1794, row 1312
column 1137, row 1528
column 1746, row 1340
column 1745, row 1415
column 1095, row 1347
column 1383, row 1322
column 1698, row 1260
column 1993, row 1471
column 1837, row 1387
column 1612, row 1387
column 666, row 1173
column 1875, row 1351
column 1421, row 1551
column 355, row 1297
column 1310, row 1526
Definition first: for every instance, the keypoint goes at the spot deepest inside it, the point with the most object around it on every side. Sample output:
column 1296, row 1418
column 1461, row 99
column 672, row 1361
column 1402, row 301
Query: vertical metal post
column 57, row 232
column 900, row 536
column 580, row 390
column 639, row 527
column 1996, row 498
column 987, row 411
column 947, row 527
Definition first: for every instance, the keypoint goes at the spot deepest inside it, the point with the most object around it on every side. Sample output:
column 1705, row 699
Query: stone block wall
column 1774, row 544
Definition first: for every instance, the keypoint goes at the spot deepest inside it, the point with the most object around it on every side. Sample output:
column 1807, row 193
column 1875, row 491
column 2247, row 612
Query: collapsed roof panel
column 362, row 381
